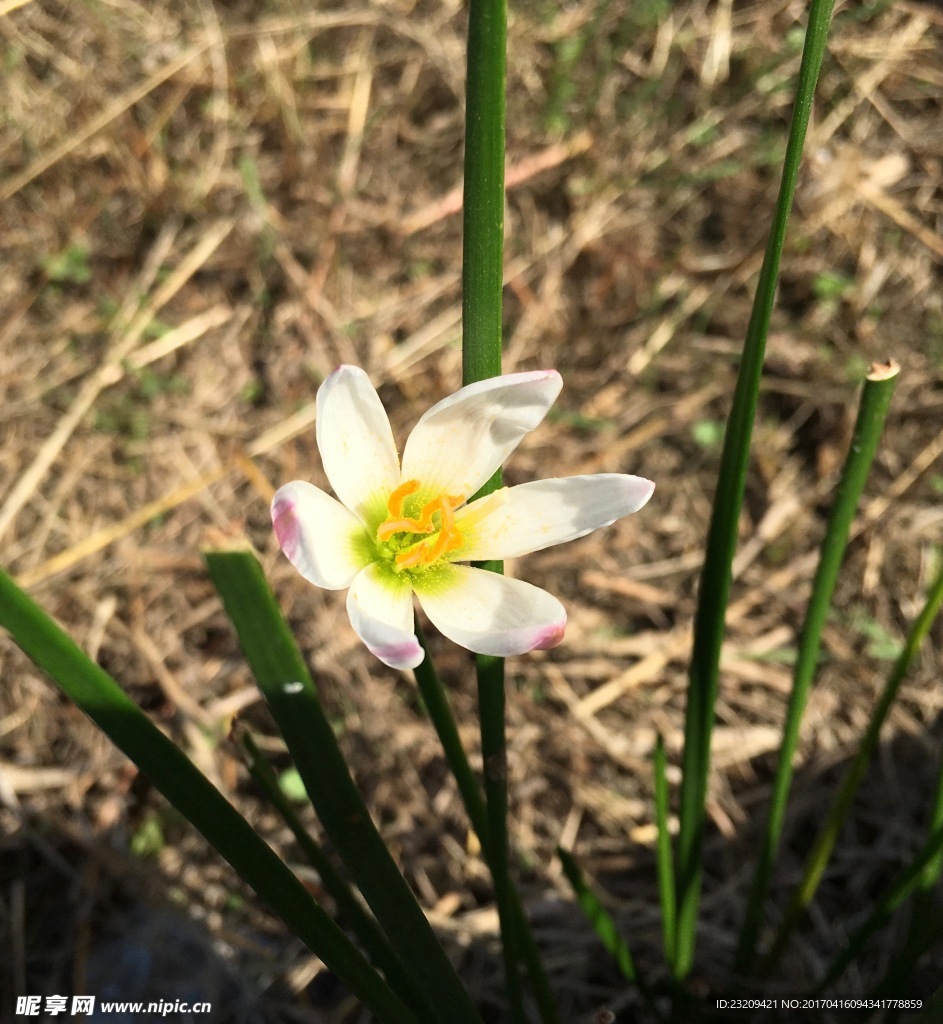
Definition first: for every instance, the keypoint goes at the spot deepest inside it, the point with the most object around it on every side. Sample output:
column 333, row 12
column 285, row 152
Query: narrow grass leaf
column 714, row 588
column 352, row 912
column 98, row 696
column 665, row 861
column 838, row 811
column 926, row 926
column 599, row 917
column 284, row 680
column 894, row 896
column 931, row 875
column 606, row 929
column 869, row 426
column 932, row 1012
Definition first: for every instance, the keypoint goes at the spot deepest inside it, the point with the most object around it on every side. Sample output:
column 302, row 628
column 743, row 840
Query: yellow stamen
column 396, row 521
column 448, row 538
column 424, row 523
column 445, row 537
column 447, row 533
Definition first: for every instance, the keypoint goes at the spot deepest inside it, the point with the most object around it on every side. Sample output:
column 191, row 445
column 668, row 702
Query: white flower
column 403, row 528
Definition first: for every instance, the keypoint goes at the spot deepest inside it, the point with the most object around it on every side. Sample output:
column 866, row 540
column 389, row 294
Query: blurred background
column 205, row 207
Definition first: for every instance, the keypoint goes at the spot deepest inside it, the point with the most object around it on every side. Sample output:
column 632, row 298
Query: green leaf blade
column 284, row 680
column 192, row 794
column 716, row 574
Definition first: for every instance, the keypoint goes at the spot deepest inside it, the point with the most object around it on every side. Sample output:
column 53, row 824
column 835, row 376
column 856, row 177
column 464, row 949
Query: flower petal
column 491, row 614
column 356, row 442
column 324, row 541
column 462, row 440
column 381, row 611
column 536, row 515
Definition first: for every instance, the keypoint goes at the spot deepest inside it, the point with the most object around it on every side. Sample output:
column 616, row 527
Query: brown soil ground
column 207, row 207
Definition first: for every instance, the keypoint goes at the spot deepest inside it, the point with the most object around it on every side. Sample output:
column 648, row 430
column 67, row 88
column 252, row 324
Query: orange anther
column 405, row 489
column 387, row 529
column 424, row 523
column 448, row 519
column 439, row 547
column 410, row 559
column 448, row 539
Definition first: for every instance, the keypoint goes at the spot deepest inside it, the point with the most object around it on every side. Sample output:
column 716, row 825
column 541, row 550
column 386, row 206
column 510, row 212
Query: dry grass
column 205, row 208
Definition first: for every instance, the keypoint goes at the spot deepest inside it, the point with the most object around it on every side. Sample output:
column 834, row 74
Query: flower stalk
column 440, row 713
column 482, row 281
column 483, row 209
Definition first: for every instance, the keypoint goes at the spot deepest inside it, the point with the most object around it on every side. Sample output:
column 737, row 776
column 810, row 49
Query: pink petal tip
column 285, row 523
column 550, row 636
column 403, row 654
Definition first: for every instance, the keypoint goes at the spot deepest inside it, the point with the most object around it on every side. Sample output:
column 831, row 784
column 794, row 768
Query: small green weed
column 69, row 266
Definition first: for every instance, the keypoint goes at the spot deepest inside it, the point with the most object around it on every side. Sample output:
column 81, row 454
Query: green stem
column 482, row 276
column 99, row 697
column 494, row 762
column 872, row 413
column 714, row 588
column 818, row 858
column 483, row 212
column 440, row 713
